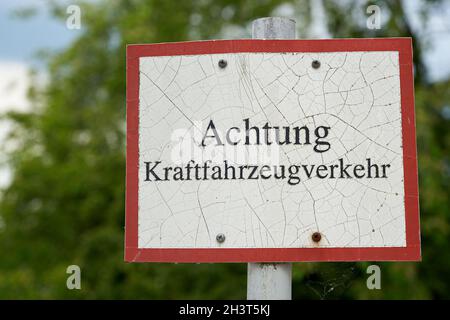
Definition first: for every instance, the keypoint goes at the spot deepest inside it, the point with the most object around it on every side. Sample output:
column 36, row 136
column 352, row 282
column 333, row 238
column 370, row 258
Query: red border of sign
column 195, row 255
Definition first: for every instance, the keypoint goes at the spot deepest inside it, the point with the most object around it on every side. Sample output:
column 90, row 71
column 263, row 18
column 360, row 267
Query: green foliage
column 65, row 204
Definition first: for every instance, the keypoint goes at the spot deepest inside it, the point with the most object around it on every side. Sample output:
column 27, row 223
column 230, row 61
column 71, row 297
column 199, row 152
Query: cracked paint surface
column 357, row 94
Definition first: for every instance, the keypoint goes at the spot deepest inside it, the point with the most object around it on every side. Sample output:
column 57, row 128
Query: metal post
column 273, row 28
column 271, row 281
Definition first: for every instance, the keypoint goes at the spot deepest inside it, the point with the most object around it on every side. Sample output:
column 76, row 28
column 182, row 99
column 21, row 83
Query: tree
column 65, row 204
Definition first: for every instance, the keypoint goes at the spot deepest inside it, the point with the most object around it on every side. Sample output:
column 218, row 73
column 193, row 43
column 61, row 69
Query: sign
column 271, row 151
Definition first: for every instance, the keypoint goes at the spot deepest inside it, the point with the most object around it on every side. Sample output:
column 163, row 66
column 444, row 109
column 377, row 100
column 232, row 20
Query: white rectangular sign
column 271, row 150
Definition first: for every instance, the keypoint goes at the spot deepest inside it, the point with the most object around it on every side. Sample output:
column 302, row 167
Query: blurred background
column 62, row 144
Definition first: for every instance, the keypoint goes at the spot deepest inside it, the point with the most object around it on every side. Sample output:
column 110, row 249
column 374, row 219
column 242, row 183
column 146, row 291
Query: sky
column 21, row 39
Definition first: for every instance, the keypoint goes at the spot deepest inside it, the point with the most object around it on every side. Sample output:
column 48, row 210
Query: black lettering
column 177, row 173
column 325, row 131
column 252, row 175
column 370, row 166
column 266, row 128
column 231, row 168
column 265, row 168
column 278, row 176
column 319, row 170
column 297, row 134
column 233, row 143
column 332, row 167
column 247, row 132
column 293, row 175
column 166, row 172
column 149, row 171
column 305, row 168
column 217, row 173
column 216, row 135
column 384, row 166
column 358, row 168
column 344, row 170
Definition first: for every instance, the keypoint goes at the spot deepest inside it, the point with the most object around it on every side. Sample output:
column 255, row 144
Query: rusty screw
column 316, row 236
column 220, row 238
column 223, row 63
column 315, row 64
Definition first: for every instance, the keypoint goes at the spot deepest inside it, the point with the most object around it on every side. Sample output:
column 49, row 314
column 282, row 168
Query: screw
column 316, row 236
column 223, row 63
column 315, row 64
column 220, row 238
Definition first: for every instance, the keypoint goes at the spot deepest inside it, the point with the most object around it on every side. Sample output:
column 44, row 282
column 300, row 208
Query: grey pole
column 271, row 281
column 273, row 28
